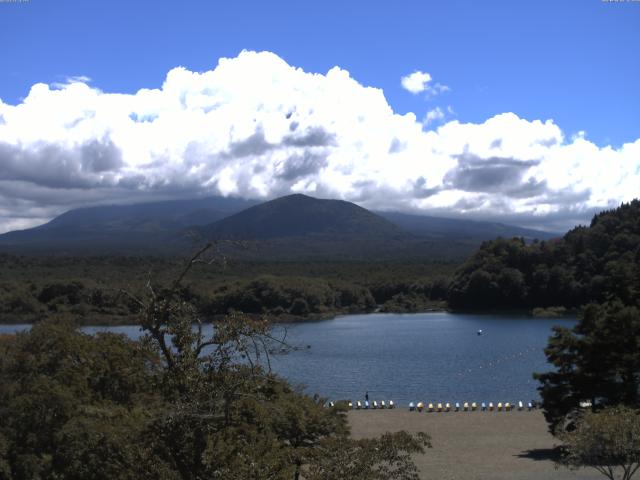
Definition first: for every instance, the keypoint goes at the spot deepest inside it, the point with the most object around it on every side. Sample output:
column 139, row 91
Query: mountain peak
column 300, row 215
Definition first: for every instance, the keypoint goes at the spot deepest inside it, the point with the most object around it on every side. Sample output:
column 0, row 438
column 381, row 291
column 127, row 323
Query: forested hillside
column 589, row 264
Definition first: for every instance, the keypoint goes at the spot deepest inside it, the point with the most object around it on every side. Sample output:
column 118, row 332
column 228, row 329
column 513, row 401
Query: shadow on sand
column 545, row 454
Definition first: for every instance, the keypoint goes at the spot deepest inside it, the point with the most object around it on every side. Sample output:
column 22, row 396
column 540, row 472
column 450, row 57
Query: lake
column 431, row 357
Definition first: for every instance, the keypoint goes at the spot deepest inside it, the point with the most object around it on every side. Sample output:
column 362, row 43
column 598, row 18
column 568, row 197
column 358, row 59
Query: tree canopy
column 596, row 362
column 608, row 441
column 589, row 264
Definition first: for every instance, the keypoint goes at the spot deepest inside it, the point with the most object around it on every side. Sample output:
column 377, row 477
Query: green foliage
column 608, row 441
column 90, row 288
column 593, row 264
column 71, row 402
column 597, row 361
column 339, row 457
column 177, row 404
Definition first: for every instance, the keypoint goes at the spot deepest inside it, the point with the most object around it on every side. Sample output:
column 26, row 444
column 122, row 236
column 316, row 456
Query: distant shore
column 474, row 445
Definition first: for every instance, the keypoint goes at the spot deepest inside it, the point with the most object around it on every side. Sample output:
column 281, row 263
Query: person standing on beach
column 366, row 396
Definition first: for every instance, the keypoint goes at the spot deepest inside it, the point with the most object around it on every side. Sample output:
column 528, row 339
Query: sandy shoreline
column 474, row 445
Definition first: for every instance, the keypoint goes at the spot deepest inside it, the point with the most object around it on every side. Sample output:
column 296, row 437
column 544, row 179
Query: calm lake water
column 432, row 357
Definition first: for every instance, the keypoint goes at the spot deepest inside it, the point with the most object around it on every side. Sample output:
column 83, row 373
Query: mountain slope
column 439, row 227
column 142, row 227
column 299, row 216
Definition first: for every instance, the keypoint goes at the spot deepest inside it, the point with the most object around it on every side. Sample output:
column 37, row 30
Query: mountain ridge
column 293, row 226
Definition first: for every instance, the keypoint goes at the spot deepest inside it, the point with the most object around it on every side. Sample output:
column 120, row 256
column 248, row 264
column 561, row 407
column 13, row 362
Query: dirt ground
column 474, row 445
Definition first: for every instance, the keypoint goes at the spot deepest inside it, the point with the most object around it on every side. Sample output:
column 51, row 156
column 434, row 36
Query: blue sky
column 573, row 62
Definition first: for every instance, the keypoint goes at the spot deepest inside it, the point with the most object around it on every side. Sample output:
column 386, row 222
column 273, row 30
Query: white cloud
column 433, row 115
column 418, row 82
column 257, row 127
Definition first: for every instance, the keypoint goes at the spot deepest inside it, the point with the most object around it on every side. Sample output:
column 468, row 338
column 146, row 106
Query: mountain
column 439, row 227
column 115, row 228
column 294, row 227
column 299, row 216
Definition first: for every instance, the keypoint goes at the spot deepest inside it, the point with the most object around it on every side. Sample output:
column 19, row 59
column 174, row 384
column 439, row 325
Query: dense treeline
column 589, row 264
column 90, row 289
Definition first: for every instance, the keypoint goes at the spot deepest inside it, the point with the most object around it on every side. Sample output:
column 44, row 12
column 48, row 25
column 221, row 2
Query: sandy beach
column 474, row 445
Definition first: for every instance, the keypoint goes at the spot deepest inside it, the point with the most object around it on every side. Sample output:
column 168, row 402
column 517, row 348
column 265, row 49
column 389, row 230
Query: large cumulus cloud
column 257, row 127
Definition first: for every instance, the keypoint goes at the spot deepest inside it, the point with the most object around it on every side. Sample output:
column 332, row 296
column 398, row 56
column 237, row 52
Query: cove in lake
column 432, row 357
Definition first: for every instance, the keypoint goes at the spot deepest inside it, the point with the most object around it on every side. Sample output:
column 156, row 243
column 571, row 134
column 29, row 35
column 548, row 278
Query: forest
column 597, row 263
column 93, row 290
